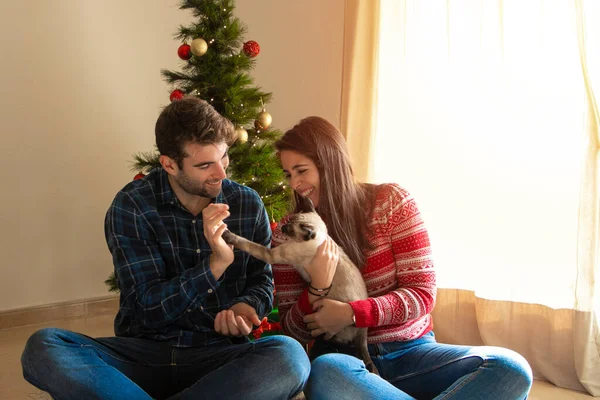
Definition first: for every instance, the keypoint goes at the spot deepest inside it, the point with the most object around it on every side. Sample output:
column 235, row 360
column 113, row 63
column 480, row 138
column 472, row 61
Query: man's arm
column 141, row 270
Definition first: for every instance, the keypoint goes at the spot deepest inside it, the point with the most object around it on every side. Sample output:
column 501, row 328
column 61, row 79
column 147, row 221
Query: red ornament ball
column 273, row 226
column 176, row 95
column 184, row 51
column 138, row 176
column 251, row 48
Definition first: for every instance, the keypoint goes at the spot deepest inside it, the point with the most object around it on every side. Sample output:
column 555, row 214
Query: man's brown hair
column 190, row 120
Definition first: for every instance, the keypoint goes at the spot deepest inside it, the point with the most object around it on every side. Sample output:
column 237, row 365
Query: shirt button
column 198, row 251
column 202, row 308
column 210, row 290
column 193, row 221
column 189, row 310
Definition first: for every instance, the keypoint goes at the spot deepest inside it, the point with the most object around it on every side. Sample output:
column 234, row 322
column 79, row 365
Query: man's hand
column 331, row 317
column 237, row 321
column 222, row 253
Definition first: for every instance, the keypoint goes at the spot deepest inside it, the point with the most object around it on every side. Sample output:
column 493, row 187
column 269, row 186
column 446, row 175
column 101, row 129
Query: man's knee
column 288, row 349
column 35, row 357
column 290, row 355
column 39, row 342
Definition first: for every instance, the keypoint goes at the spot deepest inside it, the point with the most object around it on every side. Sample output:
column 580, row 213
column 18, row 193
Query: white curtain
column 486, row 113
column 587, row 294
column 359, row 82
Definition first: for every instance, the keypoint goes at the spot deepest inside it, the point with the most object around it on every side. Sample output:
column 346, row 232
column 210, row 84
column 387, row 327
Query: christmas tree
column 216, row 68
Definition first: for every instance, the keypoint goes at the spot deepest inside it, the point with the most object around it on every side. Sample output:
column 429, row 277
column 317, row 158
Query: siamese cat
column 306, row 231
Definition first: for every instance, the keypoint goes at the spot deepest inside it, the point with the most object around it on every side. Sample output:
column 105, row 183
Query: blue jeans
column 70, row 365
column 421, row 369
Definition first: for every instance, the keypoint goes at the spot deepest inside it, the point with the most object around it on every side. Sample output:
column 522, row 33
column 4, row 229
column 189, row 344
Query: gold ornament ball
column 198, row 47
column 242, row 135
column 263, row 121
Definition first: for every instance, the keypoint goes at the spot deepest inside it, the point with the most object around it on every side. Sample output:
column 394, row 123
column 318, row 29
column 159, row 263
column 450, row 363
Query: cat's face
column 304, row 225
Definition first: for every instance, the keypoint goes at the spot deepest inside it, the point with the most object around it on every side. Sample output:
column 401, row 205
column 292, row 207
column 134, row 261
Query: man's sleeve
column 141, row 271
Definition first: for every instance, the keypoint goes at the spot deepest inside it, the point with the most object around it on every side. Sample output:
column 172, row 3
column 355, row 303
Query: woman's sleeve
column 414, row 297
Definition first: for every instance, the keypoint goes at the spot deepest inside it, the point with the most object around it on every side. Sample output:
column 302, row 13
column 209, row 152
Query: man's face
column 204, row 169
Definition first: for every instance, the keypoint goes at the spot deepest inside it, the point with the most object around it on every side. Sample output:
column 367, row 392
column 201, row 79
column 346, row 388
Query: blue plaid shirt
column 161, row 260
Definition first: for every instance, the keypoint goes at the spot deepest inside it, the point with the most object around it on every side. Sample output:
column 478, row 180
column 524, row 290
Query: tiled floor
column 14, row 387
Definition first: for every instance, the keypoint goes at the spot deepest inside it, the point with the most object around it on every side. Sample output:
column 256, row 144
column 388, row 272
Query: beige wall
column 81, row 90
column 301, row 56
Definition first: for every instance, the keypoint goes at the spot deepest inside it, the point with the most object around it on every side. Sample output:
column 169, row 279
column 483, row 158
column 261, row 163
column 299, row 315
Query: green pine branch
column 145, row 161
column 112, row 283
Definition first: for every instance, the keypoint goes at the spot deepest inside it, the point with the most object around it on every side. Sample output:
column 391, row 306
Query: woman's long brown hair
column 344, row 204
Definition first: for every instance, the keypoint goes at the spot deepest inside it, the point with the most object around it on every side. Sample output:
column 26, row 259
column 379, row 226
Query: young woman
column 380, row 228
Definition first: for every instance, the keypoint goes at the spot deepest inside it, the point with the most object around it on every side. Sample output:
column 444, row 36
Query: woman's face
column 302, row 174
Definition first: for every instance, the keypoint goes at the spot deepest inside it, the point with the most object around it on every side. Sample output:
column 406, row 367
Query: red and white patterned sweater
column 399, row 275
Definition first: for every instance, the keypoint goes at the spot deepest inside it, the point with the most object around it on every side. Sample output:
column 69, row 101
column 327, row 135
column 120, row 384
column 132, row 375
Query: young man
column 188, row 301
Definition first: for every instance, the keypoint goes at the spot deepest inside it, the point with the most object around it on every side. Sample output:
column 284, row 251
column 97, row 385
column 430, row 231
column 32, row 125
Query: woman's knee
column 333, row 373
column 510, row 368
column 334, row 367
column 516, row 368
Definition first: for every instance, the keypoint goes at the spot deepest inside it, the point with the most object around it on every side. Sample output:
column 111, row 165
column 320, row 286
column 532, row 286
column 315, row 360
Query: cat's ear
column 307, row 205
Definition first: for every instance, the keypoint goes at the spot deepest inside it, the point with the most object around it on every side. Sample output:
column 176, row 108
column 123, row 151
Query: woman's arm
column 398, row 220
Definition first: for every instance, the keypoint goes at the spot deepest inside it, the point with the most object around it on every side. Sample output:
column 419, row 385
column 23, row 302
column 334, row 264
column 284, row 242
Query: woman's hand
column 323, row 265
column 331, row 317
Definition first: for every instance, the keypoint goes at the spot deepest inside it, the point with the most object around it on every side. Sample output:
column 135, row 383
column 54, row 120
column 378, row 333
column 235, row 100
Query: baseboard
column 57, row 311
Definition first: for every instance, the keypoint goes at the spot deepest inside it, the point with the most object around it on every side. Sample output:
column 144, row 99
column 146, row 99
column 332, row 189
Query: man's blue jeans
column 70, row 365
column 422, row 369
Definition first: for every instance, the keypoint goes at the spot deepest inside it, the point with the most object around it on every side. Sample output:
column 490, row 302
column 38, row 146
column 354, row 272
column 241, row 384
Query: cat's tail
column 360, row 342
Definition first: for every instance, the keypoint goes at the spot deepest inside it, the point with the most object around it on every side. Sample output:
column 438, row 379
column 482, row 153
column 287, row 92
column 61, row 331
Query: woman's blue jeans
column 70, row 365
column 422, row 369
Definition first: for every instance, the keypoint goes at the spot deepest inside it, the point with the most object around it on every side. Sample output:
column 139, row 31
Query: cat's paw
column 228, row 237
